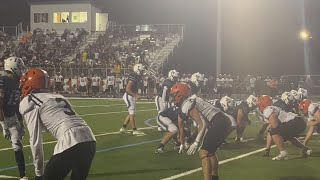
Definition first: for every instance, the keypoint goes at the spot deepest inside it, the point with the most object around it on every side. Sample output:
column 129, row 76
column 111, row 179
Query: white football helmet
column 227, row 103
column 296, row 95
column 173, row 75
column 252, row 101
column 14, row 65
column 197, row 78
column 303, row 92
column 138, row 69
column 287, row 97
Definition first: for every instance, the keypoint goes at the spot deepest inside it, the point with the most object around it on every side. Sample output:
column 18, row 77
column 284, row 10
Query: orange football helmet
column 179, row 92
column 263, row 102
column 304, row 105
column 34, row 79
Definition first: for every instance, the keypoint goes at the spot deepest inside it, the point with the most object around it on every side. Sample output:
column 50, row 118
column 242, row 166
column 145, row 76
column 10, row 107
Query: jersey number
column 69, row 111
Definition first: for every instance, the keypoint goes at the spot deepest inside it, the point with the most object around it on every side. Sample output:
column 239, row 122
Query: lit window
column 61, row 17
column 40, row 17
column 79, row 17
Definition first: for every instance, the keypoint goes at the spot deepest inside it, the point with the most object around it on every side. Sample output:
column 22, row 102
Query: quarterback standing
column 130, row 97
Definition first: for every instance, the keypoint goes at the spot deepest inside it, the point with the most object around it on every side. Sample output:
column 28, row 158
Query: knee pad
column 17, row 145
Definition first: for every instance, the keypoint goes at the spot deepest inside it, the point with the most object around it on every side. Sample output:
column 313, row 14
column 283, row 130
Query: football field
column 124, row 156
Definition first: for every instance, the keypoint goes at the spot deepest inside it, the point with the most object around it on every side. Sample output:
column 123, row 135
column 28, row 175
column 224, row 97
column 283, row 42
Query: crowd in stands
column 44, row 48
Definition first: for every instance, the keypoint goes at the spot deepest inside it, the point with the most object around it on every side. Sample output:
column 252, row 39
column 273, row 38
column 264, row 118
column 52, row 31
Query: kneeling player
column 283, row 126
column 76, row 144
column 167, row 120
column 213, row 127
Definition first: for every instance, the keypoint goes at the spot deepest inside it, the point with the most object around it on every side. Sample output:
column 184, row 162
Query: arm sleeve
column 164, row 93
column 35, row 130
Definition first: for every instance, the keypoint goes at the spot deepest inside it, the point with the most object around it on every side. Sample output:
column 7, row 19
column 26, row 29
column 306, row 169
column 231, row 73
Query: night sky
column 258, row 36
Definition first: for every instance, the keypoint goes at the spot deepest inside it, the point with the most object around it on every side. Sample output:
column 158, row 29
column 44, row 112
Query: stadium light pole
column 218, row 42
column 305, row 36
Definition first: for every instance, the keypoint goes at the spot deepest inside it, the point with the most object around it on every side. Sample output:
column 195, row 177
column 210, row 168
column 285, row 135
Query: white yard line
column 97, row 135
column 98, row 151
column 220, row 162
column 114, row 112
column 8, row 177
column 111, row 105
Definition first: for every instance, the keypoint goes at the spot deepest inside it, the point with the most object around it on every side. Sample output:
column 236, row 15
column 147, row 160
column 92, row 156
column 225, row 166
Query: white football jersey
column 96, row 81
column 82, row 81
column 313, row 108
column 206, row 109
column 52, row 112
column 282, row 115
column 110, row 80
column 58, row 78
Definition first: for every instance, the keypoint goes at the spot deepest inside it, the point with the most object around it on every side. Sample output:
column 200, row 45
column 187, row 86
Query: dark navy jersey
column 169, row 85
column 282, row 105
column 240, row 105
column 171, row 113
column 136, row 79
column 12, row 93
column 194, row 88
column 216, row 103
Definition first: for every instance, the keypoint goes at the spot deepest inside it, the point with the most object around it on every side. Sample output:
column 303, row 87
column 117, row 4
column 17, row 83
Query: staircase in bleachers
column 162, row 56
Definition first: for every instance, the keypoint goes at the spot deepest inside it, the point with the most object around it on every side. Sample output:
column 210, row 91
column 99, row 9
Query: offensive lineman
column 284, row 126
column 10, row 118
column 76, row 144
column 311, row 110
column 131, row 96
column 213, row 127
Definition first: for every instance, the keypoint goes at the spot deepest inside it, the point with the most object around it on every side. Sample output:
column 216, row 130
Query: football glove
column 6, row 133
column 181, row 149
column 193, row 148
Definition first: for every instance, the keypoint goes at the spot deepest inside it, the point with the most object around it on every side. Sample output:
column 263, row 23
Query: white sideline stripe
column 111, row 99
column 115, row 112
column 111, row 105
column 98, row 151
column 220, row 162
column 98, row 135
column 8, row 177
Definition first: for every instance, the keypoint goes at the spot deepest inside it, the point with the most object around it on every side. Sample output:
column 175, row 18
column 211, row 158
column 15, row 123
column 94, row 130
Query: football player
column 131, row 96
column 240, row 111
column 10, row 118
column 41, row 110
column 285, row 102
column 284, row 126
column 95, row 85
column 196, row 82
column 162, row 100
column 310, row 109
column 167, row 120
column 213, row 127
column 58, row 82
column 82, row 82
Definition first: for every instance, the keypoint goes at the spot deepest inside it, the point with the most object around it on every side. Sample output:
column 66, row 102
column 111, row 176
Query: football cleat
column 24, row 178
column 280, row 157
column 242, row 140
column 159, row 151
column 138, row 133
column 266, row 153
column 306, row 152
column 122, row 130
